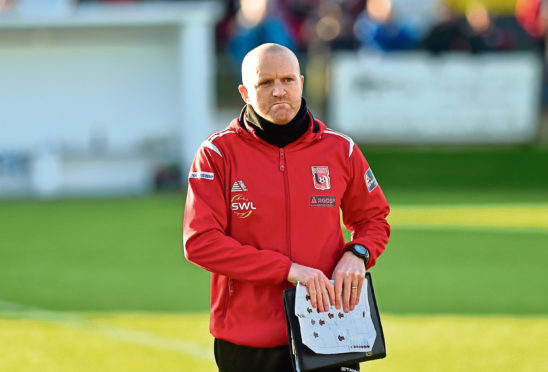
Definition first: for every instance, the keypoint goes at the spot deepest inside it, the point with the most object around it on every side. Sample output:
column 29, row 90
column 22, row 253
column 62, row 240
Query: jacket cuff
column 286, row 271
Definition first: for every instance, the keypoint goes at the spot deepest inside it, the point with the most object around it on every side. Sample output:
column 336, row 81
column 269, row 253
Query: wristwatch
column 360, row 251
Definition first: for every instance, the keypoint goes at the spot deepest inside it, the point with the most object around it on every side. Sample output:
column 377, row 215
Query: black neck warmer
column 279, row 135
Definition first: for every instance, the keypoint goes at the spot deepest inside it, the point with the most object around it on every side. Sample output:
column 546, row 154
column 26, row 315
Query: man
column 262, row 214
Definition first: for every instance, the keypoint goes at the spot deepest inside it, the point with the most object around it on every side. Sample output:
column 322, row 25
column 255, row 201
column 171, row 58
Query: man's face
column 273, row 86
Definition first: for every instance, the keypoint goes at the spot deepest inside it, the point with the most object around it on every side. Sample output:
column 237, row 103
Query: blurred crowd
column 381, row 25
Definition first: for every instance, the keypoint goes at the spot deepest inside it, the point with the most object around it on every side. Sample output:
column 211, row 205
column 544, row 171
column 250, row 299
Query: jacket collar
column 243, row 128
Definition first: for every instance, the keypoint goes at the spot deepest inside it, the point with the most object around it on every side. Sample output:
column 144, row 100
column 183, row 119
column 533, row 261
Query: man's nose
column 279, row 90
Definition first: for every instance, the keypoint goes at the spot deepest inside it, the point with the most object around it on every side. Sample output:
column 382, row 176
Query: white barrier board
column 419, row 98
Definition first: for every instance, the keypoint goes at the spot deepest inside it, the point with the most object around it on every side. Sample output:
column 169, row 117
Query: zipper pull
column 282, row 160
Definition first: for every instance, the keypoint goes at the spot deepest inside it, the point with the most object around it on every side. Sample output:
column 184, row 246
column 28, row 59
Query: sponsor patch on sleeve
column 202, row 175
column 370, row 180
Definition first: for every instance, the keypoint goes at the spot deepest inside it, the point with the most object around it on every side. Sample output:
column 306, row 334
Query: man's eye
column 263, row 83
column 287, row 80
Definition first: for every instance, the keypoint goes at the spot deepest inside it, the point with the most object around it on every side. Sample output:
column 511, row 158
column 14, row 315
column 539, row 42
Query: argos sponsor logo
column 241, row 206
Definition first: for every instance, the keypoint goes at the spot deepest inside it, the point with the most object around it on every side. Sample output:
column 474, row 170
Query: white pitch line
column 13, row 310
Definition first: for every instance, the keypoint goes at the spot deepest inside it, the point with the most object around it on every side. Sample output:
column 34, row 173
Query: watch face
column 360, row 249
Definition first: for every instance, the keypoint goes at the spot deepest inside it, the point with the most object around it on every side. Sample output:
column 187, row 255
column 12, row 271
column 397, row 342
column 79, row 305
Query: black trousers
column 236, row 358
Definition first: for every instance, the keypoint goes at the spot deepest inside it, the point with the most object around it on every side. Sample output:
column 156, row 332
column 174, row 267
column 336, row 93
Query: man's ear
column 302, row 83
column 243, row 92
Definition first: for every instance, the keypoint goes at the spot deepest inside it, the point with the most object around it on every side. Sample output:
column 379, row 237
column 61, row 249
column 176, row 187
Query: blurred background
column 114, row 97
column 104, row 103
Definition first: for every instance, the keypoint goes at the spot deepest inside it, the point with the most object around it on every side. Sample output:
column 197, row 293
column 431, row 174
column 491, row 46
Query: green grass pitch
column 105, row 280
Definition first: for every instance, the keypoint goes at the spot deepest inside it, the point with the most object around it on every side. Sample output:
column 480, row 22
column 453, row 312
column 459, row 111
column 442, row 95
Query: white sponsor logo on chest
column 238, row 186
column 241, row 206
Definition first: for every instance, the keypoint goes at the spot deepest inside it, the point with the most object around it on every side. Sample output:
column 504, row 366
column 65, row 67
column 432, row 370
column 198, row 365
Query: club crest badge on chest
column 320, row 175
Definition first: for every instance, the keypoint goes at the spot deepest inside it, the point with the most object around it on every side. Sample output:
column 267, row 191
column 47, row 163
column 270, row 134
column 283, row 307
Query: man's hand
column 349, row 275
column 319, row 287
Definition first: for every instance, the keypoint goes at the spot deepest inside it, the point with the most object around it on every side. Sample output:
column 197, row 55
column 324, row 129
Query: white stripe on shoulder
column 209, row 141
column 211, row 146
column 350, row 141
column 219, row 134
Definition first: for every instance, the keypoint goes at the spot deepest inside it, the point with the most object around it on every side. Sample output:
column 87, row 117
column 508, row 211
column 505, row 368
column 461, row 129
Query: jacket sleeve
column 365, row 208
column 205, row 225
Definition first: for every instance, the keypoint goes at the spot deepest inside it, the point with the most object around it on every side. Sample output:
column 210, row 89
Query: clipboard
column 304, row 359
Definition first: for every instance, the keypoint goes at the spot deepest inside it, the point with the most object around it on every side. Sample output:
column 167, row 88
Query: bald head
column 272, row 83
column 254, row 58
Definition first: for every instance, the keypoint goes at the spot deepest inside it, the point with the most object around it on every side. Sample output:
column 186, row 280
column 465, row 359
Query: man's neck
column 275, row 134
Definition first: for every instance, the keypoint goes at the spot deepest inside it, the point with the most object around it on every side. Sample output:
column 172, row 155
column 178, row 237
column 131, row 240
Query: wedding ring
column 354, row 287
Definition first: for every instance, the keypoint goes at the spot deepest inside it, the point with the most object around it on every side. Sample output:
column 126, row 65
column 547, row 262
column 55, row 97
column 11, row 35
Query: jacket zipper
column 287, row 200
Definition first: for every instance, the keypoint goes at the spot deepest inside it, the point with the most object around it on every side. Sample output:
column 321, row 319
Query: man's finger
column 346, row 293
column 338, row 291
column 358, row 292
column 312, row 293
column 354, row 294
column 319, row 294
column 330, row 292
column 325, row 298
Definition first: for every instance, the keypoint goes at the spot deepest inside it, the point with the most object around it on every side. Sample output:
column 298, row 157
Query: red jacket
column 253, row 208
